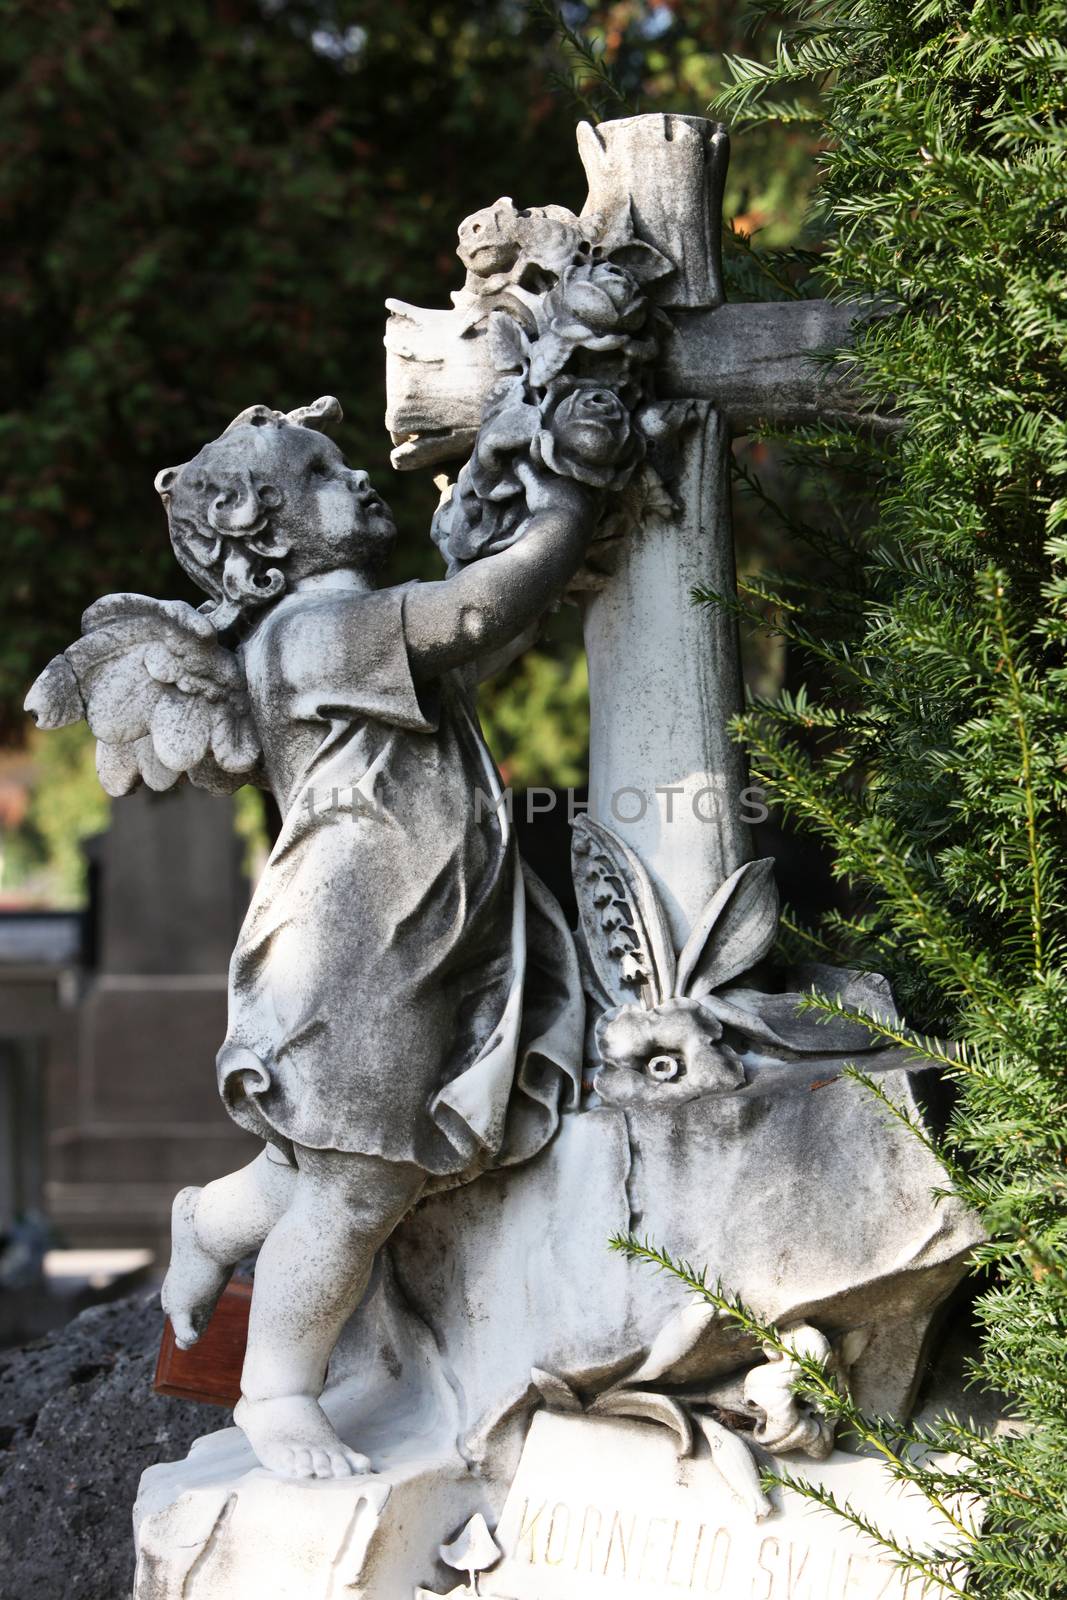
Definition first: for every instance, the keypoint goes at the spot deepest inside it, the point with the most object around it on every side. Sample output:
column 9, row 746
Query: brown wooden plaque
column 211, row 1371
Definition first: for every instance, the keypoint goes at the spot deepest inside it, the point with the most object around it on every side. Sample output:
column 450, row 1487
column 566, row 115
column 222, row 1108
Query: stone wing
column 164, row 698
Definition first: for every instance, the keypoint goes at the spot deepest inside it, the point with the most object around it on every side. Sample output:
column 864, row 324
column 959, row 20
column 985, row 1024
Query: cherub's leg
column 211, row 1229
column 310, row 1277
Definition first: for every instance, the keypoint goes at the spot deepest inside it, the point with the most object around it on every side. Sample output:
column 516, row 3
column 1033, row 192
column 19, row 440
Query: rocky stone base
column 79, row 1422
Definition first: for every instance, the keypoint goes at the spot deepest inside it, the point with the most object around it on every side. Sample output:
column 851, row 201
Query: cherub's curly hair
column 224, row 540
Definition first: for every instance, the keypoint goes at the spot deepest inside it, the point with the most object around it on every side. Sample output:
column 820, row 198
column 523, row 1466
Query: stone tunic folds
column 401, row 986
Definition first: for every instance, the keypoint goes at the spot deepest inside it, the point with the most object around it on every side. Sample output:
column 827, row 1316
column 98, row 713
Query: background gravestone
column 135, row 1114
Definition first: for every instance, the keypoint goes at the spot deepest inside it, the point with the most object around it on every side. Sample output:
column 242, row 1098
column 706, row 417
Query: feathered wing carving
column 164, row 698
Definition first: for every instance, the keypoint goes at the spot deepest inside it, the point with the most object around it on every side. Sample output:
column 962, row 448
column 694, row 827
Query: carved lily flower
column 675, row 1050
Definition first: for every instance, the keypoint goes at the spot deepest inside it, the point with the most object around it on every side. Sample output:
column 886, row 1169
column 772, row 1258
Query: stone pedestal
column 435, row 1376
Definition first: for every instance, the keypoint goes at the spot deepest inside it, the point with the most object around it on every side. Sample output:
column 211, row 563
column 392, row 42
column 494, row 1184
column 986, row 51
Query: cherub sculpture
column 405, row 1001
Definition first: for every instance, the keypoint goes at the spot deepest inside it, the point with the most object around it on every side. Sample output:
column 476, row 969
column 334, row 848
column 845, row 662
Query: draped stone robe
column 402, row 985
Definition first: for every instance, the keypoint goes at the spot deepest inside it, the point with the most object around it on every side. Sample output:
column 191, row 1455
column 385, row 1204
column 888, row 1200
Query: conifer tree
column 929, row 747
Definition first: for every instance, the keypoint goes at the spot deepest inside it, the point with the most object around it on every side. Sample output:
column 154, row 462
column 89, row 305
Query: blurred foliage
column 43, row 855
column 536, row 718
column 206, row 205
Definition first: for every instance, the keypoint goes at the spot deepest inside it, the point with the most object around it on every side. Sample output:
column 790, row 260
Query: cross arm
column 753, row 362
column 760, row 363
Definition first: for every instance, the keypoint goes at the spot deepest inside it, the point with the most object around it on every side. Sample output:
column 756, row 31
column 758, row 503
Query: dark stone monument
column 140, row 1111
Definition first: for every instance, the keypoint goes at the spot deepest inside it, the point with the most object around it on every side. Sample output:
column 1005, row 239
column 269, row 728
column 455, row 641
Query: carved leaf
column 631, row 953
column 643, row 260
column 646, row 1407
column 472, row 1550
column 674, row 1341
column 509, row 347
column 616, row 238
column 737, row 1465
column 735, row 930
column 777, row 1021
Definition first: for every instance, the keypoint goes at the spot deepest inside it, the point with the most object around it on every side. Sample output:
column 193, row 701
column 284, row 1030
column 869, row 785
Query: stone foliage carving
column 666, row 1020
column 562, row 303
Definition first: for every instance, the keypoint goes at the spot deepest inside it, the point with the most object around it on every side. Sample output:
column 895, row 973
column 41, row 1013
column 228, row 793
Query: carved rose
column 672, row 1050
column 599, row 296
column 596, row 308
column 468, row 526
column 587, row 434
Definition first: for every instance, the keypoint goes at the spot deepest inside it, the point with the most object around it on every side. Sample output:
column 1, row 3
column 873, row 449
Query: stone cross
column 663, row 673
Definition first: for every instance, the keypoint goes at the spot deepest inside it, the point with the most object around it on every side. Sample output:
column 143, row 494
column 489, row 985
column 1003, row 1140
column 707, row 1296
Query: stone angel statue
column 405, row 1002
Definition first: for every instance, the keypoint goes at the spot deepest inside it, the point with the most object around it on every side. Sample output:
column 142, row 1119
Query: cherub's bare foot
column 293, row 1437
column 195, row 1280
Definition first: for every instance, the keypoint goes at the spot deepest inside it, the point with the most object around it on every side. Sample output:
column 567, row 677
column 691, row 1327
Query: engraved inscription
column 687, row 1556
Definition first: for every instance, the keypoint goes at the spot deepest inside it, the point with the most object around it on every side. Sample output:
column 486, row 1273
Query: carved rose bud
column 596, row 311
column 599, row 296
column 587, row 434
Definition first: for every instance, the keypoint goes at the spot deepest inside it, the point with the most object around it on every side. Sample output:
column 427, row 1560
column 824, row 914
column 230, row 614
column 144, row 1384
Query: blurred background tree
column 206, row 204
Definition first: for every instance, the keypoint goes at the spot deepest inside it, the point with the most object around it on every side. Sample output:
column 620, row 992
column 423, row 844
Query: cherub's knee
column 361, row 1198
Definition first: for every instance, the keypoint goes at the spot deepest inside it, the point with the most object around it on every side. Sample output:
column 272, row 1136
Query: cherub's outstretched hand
column 164, row 698
column 545, row 491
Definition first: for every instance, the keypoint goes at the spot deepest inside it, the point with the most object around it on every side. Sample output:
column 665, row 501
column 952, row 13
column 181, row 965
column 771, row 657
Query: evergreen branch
column 813, row 1380
column 997, row 589
column 587, row 64
column 912, row 1124
column 906, row 1557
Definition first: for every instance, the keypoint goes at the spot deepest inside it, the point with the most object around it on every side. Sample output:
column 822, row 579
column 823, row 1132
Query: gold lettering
column 588, row 1533
column 620, row 1540
column 793, row 1579
column 890, row 1584
column 715, row 1572
column 550, row 1559
column 696, row 1556
column 769, row 1547
column 651, row 1540
column 528, row 1529
column 677, row 1547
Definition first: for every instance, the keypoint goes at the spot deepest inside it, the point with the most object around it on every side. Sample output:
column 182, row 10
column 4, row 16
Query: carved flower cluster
column 572, row 398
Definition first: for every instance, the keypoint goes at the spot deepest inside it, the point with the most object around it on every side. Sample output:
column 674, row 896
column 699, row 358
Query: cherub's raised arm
column 483, row 607
column 570, row 420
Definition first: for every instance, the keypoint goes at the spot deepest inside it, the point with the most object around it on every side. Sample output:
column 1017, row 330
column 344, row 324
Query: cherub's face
column 286, row 491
